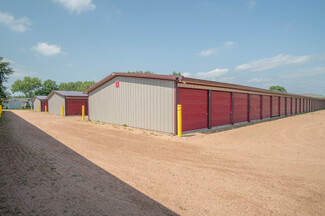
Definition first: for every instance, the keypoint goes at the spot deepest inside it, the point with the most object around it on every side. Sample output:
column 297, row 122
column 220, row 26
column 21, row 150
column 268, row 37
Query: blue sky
column 249, row 42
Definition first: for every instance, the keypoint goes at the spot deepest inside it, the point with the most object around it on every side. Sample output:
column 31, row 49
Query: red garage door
column 288, row 106
column 294, row 106
column 301, row 105
column 266, row 106
column 255, row 107
column 240, row 107
column 282, row 106
column 194, row 108
column 298, row 105
column 221, row 108
column 74, row 106
column 43, row 104
column 275, row 106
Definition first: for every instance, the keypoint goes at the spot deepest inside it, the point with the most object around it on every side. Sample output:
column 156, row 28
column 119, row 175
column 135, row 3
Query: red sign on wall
column 117, row 84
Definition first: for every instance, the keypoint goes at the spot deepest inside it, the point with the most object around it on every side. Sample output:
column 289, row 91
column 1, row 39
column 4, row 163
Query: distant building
column 17, row 103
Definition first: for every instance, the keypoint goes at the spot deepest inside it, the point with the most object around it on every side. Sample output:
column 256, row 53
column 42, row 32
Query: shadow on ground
column 41, row 176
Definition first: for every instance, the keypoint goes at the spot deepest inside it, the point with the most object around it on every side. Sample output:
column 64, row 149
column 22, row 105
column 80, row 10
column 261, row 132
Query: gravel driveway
column 53, row 165
column 41, row 176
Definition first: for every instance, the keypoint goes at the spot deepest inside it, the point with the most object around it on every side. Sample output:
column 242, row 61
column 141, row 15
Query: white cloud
column 229, row 44
column 212, row 74
column 251, row 4
column 227, row 79
column 273, row 62
column 19, row 70
column 208, row 52
column 211, row 51
column 259, row 80
column 47, row 49
column 77, row 6
column 186, row 74
column 18, row 25
column 305, row 73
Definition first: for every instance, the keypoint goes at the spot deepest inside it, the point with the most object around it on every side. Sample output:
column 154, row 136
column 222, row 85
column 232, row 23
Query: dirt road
column 271, row 168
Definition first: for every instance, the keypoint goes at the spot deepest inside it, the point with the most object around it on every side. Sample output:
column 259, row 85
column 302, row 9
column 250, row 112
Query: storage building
column 72, row 102
column 150, row 101
column 40, row 101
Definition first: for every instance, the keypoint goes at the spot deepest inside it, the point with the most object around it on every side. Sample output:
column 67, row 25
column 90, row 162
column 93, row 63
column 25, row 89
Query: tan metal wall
column 55, row 102
column 138, row 102
column 37, row 103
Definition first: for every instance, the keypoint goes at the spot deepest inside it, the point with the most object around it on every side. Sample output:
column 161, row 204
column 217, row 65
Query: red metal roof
column 193, row 81
column 68, row 94
column 112, row 75
column 40, row 98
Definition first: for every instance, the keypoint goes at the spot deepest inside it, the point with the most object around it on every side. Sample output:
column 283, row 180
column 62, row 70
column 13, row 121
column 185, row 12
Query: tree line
column 31, row 86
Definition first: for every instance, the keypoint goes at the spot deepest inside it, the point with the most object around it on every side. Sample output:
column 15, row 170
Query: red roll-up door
column 43, row 104
column 301, row 105
column 240, row 107
column 298, row 105
column 288, row 106
column 282, row 106
column 220, row 108
column 74, row 106
column 194, row 108
column 275, row 106
column 294, row 106
column 255, row 107
column 266, row 106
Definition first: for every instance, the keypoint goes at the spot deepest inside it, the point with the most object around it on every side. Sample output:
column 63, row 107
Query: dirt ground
column 52, row 165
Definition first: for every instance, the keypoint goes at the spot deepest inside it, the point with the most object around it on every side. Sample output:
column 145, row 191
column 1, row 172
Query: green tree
column 76, row 86
column 278, row 88
column 176, row 73
column 5, row 71
column 27, row 86
column 47, row 87
column 142, row 72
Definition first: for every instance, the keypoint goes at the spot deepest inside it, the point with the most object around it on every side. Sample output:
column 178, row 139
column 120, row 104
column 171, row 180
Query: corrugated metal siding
column 221, row 108
column 282, row 106
column 255, row 107
column 55, row 102
column 194, row 108
column 240, row 107
column 36, row 103
column 138, row 102
column 266, row 107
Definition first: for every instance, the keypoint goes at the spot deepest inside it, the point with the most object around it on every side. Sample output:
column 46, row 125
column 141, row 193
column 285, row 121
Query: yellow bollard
column 38, row 109
column 83, row 112
column 45, row 109
column 0, row 110
column 179, row 120
column 31, row 108
column 62, row 111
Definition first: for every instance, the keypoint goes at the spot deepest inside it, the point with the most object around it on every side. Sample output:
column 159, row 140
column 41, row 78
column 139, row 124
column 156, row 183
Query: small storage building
column 72, row 102
column 150, row 101
column 17, row 103
column 40, row 101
